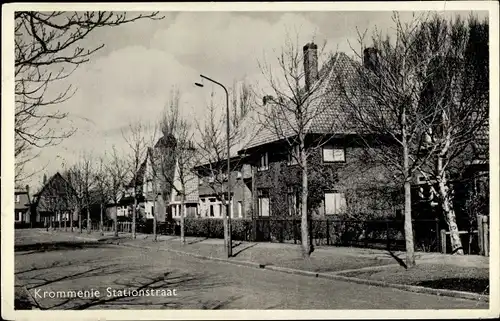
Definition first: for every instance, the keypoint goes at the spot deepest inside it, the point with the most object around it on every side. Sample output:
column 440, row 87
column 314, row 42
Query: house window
column 263, row 202
column 17, row 199
column 292, row 199
column 333, row 154
column 293, row 155
column 335, row 203
column 240, row 209
column 264, row 162
column 19, row 216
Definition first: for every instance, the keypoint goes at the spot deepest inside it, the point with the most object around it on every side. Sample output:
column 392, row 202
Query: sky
column 131, row 78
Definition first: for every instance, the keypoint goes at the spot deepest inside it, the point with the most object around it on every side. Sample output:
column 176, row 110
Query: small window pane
column 335, row 203
column 331, row 154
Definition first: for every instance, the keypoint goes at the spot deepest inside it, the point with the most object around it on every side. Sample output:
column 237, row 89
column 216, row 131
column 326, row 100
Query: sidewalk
column 468, row 273
column 255, row 251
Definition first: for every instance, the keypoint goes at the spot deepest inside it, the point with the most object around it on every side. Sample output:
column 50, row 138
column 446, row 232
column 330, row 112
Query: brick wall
column 367, row 186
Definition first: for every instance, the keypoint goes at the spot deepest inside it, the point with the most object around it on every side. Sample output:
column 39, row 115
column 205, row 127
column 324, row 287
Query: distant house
column 191, row 198
column 126, row 200
column 55, row 203
column 22, row 207
column 212, row 187
column 165, row 203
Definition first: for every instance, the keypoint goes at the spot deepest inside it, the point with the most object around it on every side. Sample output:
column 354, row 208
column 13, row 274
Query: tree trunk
column 307, row 248
column 71, row 221
column 115, row 220
column 183, row 215
column 408, row 228
column 155, row 237
column 89, row 222
column 134, row 213
column 65, row 224
column 80, row 220
column 101, row 223
column 448, row 210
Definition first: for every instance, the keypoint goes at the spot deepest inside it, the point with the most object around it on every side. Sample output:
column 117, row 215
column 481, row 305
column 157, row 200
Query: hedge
column 214, row 228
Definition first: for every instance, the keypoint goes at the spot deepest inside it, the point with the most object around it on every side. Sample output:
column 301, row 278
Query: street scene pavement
column 50, row 267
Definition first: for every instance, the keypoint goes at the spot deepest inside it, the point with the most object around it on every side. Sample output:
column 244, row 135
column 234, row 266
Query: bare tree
column 117, row 171
column 458, row 96
column 138, row 140
column 103, row 189
column 175, row 157
column 384, row 98
column 72, row 176
column 80, row 177
column 295, row 101
column 48, row 47
column 87, row 175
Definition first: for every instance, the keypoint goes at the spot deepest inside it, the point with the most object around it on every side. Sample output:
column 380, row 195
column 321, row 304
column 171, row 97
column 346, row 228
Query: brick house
column 340, row 177
column 213, row 184
column 167, row 203
column 146, row 202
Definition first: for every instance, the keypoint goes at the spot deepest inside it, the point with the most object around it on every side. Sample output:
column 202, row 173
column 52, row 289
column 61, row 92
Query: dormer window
column 333, row 154
column 263, row 162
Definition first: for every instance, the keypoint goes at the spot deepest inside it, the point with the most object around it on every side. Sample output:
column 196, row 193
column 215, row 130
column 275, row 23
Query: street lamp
column 229, row 248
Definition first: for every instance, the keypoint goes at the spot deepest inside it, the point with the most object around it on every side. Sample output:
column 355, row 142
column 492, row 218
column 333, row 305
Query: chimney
column 310, row 64
column 370, row 58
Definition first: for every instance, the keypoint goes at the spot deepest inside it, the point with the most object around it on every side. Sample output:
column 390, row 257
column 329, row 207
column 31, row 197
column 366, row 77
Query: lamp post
column 229, row 248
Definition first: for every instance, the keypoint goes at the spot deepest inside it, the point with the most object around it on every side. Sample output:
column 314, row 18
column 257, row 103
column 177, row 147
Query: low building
column 22, row 213
column 55, row 204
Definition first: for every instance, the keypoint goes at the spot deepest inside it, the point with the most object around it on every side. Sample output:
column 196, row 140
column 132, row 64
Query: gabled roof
column 324, row 105
column 64, row 192
column 140, row 175
column 56, row 176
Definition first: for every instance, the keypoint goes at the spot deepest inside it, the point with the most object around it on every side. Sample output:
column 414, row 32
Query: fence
column 473, row 241
column 483, row 225
column 387, row 234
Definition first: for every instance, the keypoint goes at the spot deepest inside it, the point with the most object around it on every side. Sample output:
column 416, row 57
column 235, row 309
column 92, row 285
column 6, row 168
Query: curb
column 28, row 295
column 336, row 276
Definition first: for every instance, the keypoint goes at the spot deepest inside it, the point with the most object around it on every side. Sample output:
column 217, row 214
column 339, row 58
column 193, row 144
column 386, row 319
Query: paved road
column 198, row 284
